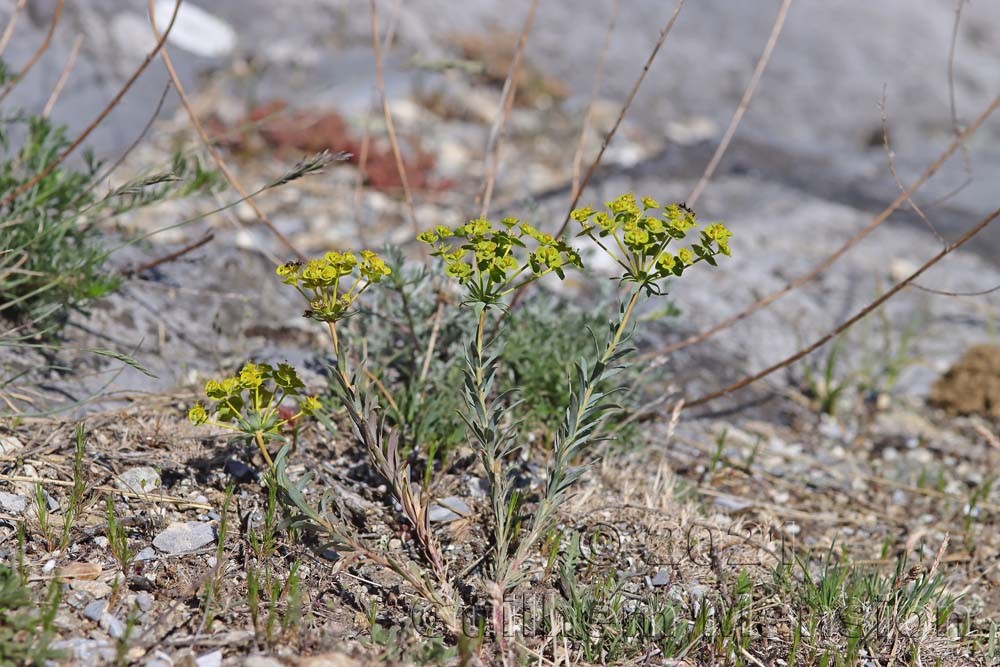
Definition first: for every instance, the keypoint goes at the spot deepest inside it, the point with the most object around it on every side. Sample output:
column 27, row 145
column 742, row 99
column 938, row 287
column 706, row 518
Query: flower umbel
column 491, row 261
column 636, row 237
column 332, row 283
column 250, row 402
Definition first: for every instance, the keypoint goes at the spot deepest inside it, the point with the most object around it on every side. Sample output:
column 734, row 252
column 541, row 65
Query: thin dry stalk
column 956, row 126
column 829, row 260
column 621, row 116
column 598, row 79
column 135, row 143
column 765, row 57
column 978, row 227
column 63, row 76
column 14, row 80
column 506, row 104
column 177, row 254
column 32, row 182
column 216, row 157
column 366, row 137
column 9, row 30
column 942, row 292
column 389, row 127
column 890, row 157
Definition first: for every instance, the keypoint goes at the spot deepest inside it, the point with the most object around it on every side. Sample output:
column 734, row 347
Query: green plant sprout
column 490, row 262
column 249, row 402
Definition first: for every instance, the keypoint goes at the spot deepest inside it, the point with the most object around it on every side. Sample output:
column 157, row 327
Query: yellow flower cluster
column 636, row 235
column 488, row 259
column 249, row 400
column 322, row 281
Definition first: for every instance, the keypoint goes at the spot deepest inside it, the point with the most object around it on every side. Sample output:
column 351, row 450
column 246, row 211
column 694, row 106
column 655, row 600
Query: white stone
column 141, row 479
column 184, row 536
column 195, row 30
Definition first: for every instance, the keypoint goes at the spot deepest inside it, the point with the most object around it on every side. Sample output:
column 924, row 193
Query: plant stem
column 259, row 437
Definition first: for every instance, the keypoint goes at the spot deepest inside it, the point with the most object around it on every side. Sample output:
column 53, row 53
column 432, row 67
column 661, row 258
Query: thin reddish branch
column 63, row 76
column 9, row 30
column 56, row 15
column 861, row 314
column 598, row 79
column 219, row 162
column 765, row 57
column 621, row 116
column 890, row 157
column 837, row 254
column 24, row 187
column 506, row 104
column 389, row 127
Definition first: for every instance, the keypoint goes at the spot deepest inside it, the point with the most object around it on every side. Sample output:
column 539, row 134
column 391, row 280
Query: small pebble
column 213, row 659
column 144, row 600
column 239, row 471
column 112, row 625
column 661, row 578
column 95, row 589
column 95, row 609
column 262, row 661
column 86, row 651
column 182, row 537
column 146, row 554
column 448, row 509
column 13, row 503
column 141, row 479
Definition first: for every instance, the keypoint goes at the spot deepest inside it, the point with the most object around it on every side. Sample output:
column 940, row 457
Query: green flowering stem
column 259, row 437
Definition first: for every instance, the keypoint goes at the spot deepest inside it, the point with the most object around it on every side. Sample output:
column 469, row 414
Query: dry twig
column 23, row 72
column 765, row 57
column 32, row 182
column 975, row 229
column 621, row 116
column 219, row 162
column 506, row 104
column 63, row 76
column 830, row 259
column 390, row 128
column 9, row 30
column 598, row 78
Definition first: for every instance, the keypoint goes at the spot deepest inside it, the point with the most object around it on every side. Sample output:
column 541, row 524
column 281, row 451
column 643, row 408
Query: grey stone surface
column 804, row 173
column 448, row 509
column 86, row 651
column 112, row 625
column 13, row 503
column 182, row 537
column 146, row 554
column 140, row 479
column 95, row 609
column 213, row 659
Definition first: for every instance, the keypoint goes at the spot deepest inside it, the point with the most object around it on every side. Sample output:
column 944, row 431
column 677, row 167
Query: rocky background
column 807, row 168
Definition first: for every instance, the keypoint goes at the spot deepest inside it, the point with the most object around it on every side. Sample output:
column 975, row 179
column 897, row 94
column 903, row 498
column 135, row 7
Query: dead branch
column 216, row 157
column 765, row 57
column 506, row 104
column 32, row 182
column 14, row 80
column 829, row 260
column 390, row 128
column 861, row 314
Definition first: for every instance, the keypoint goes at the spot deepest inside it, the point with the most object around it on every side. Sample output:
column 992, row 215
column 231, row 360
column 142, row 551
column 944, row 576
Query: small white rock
column 184, row 536
column 213, row 659
column 9, row 444
column 195, row 30
column 13, row 503
column 141, row 479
